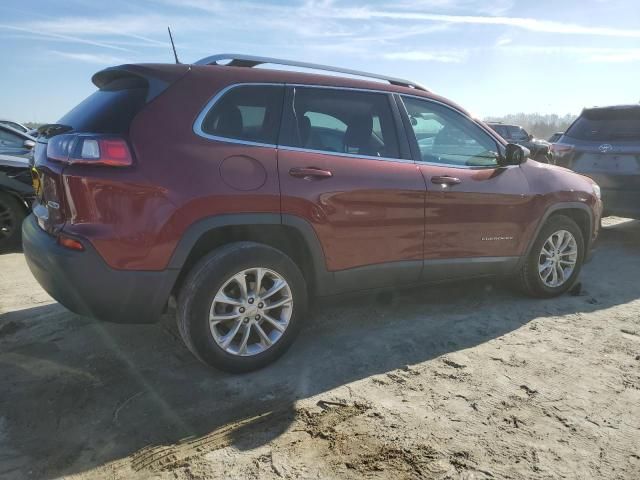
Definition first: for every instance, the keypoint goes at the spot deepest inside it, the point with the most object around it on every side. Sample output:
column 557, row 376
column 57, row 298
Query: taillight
column 561, row 148
column 86, row 149
column 561, row 153
column 70, row 243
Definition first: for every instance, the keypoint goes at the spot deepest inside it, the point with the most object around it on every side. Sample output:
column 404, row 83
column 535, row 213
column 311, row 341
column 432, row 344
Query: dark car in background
column 516, row 134
column 16, row 192
column 555, row 137
column 15, row 125
column 604, row 144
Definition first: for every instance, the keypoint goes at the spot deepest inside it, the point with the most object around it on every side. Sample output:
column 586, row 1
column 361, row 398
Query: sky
column 493, row 57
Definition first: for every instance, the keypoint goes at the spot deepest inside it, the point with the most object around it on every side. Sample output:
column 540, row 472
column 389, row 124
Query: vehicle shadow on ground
column 78, row 393
column 8, row 250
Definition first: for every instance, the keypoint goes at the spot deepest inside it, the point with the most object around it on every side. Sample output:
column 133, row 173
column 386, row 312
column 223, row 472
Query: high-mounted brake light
column 89, row 150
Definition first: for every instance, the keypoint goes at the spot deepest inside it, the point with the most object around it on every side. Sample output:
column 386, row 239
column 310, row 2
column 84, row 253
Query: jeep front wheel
column 241, row 306
column 555, row 260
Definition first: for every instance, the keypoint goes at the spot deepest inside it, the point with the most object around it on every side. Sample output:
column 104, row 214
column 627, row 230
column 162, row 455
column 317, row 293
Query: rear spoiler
column 156, row 77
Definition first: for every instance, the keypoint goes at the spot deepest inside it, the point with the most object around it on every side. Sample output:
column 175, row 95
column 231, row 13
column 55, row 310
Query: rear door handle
column 445, row 180
column 310, row 172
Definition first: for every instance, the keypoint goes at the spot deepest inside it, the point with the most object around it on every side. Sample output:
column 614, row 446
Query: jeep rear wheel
column 241, row 306
column 555, row 260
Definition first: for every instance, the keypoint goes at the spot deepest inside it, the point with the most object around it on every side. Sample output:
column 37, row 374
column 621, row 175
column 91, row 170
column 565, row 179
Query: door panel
column 473, row 208
column 367, row 212
column 341, row 168
column 482, row 216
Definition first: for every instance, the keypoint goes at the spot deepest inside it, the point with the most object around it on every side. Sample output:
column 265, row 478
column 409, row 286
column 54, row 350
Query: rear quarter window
column 249, row 113
column 110, row 109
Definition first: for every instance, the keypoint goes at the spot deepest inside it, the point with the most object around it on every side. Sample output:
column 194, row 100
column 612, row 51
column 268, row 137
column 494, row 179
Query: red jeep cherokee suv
column 242, row 191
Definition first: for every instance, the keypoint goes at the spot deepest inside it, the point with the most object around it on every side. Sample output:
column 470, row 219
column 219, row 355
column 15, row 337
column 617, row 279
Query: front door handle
column 445, row 180
column 310, row 172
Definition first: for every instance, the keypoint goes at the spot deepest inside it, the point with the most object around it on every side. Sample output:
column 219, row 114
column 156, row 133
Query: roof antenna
column 173, row 45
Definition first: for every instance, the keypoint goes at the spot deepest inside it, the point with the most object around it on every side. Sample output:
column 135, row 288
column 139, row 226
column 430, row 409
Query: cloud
column 348, row 27
column 128, row 26
column 94, row 58
column 493, row 7
column 582, row 54
column 503, row 40
column 531, row 24
column 58, row 36
column 428, row 56
column 330, row 18
column 616, row 56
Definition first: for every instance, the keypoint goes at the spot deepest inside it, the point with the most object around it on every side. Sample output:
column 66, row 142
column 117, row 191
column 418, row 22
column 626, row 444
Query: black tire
column 528, row 277
column 12, row 213
column 208, row 276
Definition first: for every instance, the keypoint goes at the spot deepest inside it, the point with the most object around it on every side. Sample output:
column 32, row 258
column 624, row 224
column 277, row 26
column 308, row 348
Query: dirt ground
column 470, row 381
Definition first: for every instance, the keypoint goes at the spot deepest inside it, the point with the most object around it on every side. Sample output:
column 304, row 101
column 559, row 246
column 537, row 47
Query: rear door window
column 609, row 125
column 250, row 113
column 342, row 121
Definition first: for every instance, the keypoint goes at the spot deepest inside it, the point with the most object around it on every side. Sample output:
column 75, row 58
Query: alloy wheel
column 251, row 311
column 557, row 259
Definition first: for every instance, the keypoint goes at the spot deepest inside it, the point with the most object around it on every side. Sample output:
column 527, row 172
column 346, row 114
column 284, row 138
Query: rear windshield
column 607, row 125
column 110, row 109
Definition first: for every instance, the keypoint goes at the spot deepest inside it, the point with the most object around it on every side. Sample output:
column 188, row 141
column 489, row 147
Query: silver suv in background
column 604, row 143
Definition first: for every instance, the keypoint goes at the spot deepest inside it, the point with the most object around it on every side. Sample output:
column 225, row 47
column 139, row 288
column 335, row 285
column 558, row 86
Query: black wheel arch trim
column 322, row 280
column 563, row 206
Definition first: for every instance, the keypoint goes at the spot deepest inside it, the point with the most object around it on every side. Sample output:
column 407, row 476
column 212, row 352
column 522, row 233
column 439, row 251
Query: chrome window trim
column 468, row 117
column 197, row 124
column 341, row 154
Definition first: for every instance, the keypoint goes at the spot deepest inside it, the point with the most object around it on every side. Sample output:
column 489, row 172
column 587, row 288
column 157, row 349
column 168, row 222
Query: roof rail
column 239, row 60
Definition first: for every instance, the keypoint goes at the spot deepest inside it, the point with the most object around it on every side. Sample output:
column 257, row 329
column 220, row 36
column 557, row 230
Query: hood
column 561, row 172
column 539, row 141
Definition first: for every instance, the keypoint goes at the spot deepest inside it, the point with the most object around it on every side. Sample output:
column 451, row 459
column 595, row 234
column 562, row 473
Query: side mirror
column 29, row 144
column 530, row 137
column 514, row 155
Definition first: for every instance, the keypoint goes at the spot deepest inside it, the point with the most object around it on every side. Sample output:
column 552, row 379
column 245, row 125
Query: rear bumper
column 83, row 283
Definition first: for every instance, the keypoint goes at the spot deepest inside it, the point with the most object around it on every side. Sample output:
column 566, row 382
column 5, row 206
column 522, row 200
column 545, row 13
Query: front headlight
column 596, row 191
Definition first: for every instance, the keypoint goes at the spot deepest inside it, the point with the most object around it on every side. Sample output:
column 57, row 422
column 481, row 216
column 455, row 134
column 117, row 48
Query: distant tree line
column 540, row 126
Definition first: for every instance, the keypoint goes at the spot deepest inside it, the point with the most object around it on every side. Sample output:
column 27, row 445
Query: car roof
column 632, row 106
column 241, row 74
column 4, row 121
column 4, row 126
